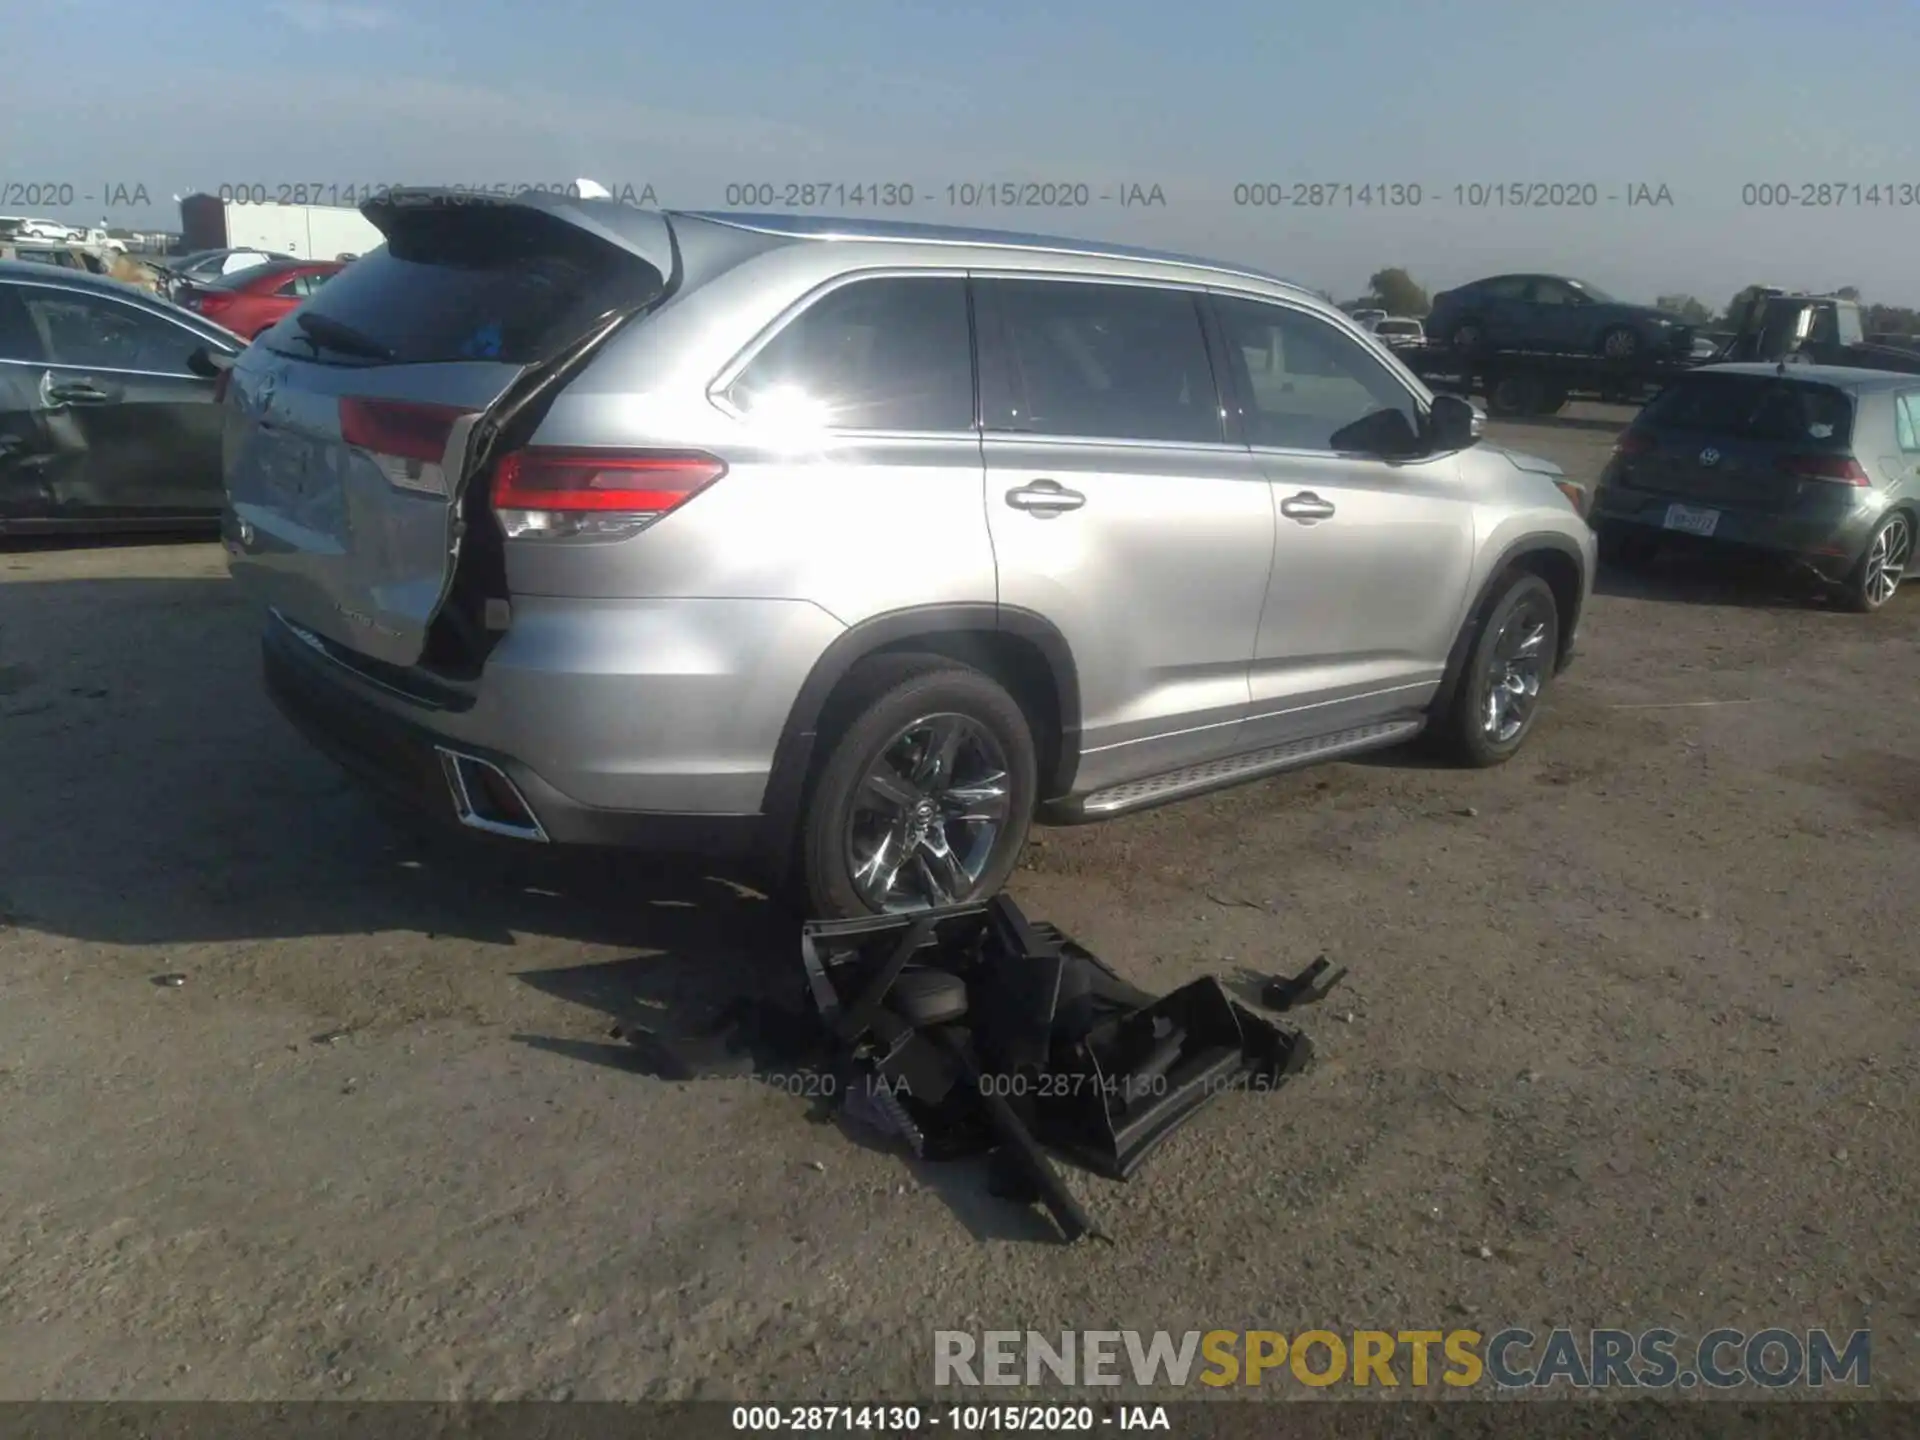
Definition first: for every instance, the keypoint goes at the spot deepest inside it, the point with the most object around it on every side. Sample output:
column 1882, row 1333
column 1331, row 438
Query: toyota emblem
column 1709, row 456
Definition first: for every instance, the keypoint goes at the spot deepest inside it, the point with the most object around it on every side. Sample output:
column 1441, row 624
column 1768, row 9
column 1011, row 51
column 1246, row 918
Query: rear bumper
column 403, row 761
column 1828, row 538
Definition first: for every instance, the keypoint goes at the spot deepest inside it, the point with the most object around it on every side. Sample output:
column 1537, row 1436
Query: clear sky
column 1704, row 97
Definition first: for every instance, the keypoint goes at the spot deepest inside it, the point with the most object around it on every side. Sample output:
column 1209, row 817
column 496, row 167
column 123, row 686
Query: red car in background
column 249, row 301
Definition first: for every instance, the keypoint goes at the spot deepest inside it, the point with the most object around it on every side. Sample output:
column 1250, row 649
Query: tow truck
column 1772, row 325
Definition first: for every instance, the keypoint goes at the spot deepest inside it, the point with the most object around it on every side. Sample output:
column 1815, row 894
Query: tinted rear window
column 479, row 283
column 1754, row 407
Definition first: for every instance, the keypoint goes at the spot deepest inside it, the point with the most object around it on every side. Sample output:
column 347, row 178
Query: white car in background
column 1400, row 330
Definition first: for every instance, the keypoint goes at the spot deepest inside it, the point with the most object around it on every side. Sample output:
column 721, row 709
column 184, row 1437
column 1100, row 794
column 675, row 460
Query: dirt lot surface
column 1628, row 1040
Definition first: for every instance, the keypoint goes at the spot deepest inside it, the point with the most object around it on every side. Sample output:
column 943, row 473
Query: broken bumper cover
column 1017, row 1021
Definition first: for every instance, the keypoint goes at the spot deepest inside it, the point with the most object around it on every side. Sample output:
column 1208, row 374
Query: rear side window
column 1119, row 362
column 1745, row 407
column 478, row 282
column 1906, row 410
column 893, row 353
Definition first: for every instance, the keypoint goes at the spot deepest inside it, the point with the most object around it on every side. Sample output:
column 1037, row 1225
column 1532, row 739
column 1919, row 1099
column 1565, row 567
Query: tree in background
column 1849, row 292
column 1396, row 292
column 1686, row 307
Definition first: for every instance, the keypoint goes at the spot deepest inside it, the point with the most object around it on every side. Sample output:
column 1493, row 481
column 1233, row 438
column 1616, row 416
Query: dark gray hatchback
column 1818, row 464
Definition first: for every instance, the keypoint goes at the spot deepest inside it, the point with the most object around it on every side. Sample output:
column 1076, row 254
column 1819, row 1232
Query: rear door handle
column 1045, row 498
column 1306, row 507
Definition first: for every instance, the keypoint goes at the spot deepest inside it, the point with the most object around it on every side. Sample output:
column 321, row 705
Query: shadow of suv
column 857, row 547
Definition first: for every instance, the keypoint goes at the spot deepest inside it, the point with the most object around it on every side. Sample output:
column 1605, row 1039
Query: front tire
column 1507, row 673
column 1883, row 566
column 925, row 795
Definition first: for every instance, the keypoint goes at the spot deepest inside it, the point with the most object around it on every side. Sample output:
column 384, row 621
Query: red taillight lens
column 1633, row 442
column 1841, row 469
column 606, row 493
column 406, row 439
column 399, row 428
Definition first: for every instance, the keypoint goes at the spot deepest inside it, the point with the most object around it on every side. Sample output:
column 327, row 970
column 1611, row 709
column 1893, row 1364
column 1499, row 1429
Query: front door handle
column 1045, row 498
column 73, row 392
column 1306, row 507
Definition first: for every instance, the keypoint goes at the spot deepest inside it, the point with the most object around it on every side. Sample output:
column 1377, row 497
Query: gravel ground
column 1627, row 1040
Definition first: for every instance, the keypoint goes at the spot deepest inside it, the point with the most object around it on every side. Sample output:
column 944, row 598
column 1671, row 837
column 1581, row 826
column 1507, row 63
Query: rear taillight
column 1840, row 469
column 406, row 439
column 600, row 494
column 1633, row 442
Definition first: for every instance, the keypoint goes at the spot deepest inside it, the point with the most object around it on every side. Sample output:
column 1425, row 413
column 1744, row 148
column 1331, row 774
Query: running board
column 1217, row 774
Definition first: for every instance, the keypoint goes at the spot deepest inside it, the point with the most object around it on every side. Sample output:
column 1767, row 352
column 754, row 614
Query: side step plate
column 1216, row 774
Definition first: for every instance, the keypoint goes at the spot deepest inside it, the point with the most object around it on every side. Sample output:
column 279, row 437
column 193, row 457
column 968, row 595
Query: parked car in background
column 204, row 266
column 1552, row 313
column 1367, row 319
column 1400, row 331
column 46, row 252
column 103, row 422
column 685, row 607
column 1819, row 464
column 248, row 301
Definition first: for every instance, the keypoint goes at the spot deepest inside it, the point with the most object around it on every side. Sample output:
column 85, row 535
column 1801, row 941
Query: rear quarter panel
column 857, row 525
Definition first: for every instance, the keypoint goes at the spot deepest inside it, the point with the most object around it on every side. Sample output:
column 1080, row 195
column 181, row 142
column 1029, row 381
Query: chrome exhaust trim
column 485, row 799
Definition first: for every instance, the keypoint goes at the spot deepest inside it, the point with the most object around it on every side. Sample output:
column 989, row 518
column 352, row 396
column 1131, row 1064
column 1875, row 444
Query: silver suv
column 856, row 548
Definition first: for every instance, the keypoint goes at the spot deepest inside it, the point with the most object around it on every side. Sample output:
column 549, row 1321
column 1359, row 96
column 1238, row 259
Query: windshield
column 1397, row 327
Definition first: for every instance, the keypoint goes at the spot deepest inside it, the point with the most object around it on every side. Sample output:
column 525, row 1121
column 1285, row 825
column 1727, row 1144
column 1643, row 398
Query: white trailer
column 308, row 232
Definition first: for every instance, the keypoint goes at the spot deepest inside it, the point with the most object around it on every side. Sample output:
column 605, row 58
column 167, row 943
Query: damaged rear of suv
column 852, row 549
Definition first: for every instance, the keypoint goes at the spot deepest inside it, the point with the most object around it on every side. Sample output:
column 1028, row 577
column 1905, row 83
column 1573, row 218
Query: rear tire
column 892, row 825
column 1878, row 575
column 1515, row 395
column 1619, row 343
column 1507, row 673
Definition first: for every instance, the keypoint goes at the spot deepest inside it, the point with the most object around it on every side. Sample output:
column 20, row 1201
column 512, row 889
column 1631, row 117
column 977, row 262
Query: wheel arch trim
column 1536, row 543
column 794, row 754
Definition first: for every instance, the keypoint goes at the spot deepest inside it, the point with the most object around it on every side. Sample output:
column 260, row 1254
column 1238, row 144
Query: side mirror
column 1454, row 423
column 207, row 364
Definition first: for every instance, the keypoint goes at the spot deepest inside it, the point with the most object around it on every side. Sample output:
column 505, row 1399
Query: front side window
column 1305, row 384
column 1096, row 361
column 90, row 332
column 19, row 341
column 892, row 353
